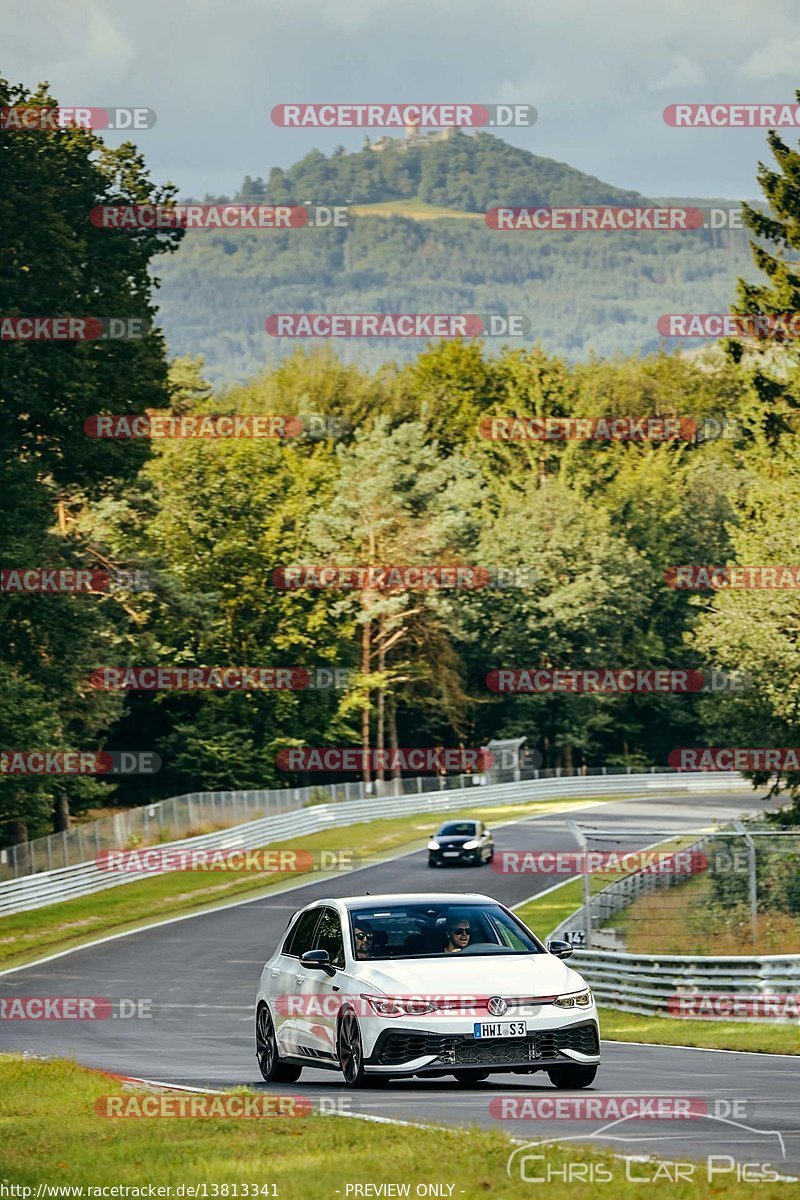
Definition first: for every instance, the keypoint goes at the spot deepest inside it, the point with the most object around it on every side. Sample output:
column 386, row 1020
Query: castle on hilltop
column 414, row 136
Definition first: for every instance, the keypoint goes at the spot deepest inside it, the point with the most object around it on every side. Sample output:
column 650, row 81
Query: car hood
column 532, row 975
column 455, row 839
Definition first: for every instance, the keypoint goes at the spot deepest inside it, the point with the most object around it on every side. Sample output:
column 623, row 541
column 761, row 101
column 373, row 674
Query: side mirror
column 559, row 949
column 317, row 960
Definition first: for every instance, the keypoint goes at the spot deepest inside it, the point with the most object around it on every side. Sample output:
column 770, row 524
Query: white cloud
column 779, row 58
column 684, row 73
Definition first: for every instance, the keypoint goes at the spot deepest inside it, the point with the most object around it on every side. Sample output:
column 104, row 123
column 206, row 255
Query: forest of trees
column 581, row 292
column 410, row 481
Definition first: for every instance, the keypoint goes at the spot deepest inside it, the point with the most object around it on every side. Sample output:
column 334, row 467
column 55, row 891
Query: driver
column 363, row 935
column 458, row 932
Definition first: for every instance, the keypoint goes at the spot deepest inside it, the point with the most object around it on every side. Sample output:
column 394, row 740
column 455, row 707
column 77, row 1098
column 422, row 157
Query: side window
column 301, row 936
column 328, row 936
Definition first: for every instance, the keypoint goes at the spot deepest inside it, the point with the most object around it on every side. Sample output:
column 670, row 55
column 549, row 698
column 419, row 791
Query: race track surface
column 201, row 976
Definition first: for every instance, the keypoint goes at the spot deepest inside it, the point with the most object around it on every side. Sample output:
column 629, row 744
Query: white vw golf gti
column 422, row 984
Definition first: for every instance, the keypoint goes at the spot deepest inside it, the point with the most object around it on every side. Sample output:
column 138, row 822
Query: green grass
column 616, row 1025
column 52, row 1135
column 545, row 914
column 414, row 209
column 27, row 936
column 758, row 1037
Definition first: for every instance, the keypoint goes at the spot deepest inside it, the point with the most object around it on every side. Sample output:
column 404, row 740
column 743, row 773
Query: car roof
column 407, row 898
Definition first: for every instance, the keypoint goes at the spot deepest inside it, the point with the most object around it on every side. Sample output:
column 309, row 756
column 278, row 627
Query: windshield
column 438, row 931
column 458, row 829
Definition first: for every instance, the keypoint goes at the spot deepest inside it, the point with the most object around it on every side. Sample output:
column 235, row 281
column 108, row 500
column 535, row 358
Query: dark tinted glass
column 300, row 938
column 328, row 936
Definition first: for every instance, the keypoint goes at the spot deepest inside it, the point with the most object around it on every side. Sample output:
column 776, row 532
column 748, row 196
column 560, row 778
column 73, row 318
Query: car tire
column 468, row 1077
column 432, row 862
column 350, row 1051
column 572, row 1077
column 269, row 1062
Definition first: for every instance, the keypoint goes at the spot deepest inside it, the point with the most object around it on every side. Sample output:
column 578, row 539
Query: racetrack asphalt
column 200, row 975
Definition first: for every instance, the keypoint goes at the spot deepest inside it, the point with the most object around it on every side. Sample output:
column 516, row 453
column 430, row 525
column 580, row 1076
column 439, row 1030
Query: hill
column 403, row 251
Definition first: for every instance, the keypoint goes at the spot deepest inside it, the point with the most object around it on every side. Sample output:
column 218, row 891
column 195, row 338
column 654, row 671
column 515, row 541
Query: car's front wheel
column 468, row 1077
column 270, row 1065
column 350, row 1051
column 572, row 1077
column 432, row 862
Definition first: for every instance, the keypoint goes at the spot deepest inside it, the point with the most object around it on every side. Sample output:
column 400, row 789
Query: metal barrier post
column 577, row 833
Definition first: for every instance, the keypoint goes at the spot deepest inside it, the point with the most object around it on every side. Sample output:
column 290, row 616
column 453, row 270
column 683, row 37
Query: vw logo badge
column 497, row 1006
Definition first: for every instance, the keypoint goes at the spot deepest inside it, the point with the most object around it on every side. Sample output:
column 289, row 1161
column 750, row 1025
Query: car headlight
column 574, row 999
column 432, row 845
column 399, row 1006
column 470, row 845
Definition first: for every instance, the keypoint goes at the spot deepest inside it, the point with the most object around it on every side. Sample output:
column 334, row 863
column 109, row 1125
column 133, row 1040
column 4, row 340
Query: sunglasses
column 465, row 932
column 363, row 937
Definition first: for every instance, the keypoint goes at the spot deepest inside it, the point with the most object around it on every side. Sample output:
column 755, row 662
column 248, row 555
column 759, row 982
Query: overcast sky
column 600, row 73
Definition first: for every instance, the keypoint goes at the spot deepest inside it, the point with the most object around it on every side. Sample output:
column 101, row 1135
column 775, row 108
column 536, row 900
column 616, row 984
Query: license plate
column 498, row 1029
column 450, row 853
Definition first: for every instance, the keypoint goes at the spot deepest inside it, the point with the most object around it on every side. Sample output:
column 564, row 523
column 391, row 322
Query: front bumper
column 453, row 856
column 419, row 1051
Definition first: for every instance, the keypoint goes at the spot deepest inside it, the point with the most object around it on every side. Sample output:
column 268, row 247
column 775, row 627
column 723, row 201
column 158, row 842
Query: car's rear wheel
column 350, row 1052
column 468, row 1077
column 572, row 1077
column 269, row 1062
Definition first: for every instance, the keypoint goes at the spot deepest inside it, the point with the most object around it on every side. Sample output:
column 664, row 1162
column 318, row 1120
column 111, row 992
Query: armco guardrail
column 621, row 894
column 51, row 887
column 207, row 812
column 656, row 984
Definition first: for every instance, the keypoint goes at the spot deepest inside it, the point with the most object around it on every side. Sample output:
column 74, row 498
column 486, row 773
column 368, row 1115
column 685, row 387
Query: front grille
column 575, row 1037
column 396, row 1047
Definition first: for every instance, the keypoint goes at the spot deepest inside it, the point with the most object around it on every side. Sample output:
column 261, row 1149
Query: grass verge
column 616, row 1025
column 300, row 1158
column 27, row 936
column 752, row 1036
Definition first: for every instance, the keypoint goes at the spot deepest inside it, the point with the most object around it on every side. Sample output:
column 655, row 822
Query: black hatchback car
column 467, row 842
